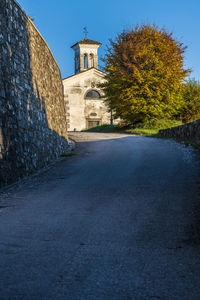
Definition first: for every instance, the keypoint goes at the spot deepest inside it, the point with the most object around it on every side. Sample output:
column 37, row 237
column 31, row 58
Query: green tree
column 145, row 73
column 190, row 110
column 30, row 18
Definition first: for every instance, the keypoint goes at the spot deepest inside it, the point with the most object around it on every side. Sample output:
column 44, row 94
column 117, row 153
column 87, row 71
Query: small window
column 92, row 94
column 85, row 61
column 92, row 123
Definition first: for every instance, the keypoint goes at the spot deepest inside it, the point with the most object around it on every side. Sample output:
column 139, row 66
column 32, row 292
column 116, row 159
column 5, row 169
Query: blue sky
column 61, row 23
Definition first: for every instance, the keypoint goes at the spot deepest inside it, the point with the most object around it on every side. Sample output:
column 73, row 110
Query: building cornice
column 86, row 42
column 83, row 72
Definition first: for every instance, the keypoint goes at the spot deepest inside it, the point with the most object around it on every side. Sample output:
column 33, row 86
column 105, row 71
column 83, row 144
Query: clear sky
column 61, row 23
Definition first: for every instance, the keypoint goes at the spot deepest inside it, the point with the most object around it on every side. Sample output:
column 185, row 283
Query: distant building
column 84, row 106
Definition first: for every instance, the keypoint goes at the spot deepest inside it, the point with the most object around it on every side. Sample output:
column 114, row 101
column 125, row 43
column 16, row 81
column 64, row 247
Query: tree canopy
column 190, row 109
column 145, row 71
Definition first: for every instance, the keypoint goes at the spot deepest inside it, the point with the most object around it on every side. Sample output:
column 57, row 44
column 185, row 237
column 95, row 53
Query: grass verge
column 145, row 129
column 67, row 154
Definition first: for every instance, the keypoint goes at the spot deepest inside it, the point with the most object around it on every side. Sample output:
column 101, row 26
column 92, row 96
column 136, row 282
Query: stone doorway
column 93, row 123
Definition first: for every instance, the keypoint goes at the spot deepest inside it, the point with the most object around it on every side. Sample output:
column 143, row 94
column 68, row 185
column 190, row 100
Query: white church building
column 85, row 107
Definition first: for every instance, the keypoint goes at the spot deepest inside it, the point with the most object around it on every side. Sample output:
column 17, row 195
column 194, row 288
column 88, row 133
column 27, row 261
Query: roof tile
column 86, row 41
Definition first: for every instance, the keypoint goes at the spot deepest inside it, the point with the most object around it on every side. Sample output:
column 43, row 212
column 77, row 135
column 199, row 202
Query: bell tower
column 86, row 55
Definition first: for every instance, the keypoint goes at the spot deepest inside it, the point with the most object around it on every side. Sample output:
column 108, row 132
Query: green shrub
column 159, row 124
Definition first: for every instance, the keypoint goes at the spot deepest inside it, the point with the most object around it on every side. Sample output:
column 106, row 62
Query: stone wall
column 189, row 131
column 33, row 128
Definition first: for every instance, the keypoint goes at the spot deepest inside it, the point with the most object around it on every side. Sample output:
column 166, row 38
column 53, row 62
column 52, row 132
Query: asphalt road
column 118, row 220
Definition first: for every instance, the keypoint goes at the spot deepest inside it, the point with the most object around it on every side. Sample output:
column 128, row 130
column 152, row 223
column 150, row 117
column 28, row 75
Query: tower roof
column 87, row 42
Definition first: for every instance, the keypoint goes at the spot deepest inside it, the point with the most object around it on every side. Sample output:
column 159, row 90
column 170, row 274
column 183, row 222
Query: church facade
column 85, row 107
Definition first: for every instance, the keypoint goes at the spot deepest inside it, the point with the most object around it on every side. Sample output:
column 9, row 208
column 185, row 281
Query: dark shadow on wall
column 32, row 119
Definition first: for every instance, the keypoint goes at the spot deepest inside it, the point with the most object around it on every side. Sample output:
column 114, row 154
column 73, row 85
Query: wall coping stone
column 29, row 20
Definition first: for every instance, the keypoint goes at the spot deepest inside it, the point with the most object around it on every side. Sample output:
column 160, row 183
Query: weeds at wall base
column 67, row 154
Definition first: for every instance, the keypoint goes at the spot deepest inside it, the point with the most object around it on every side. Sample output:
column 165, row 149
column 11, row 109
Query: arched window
column 85, row 61
column 92, row 94
column 91, row 60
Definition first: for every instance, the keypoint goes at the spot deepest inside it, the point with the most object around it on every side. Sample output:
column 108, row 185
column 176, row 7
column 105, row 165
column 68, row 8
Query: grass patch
column 159, row 124
column 142, row 131
column 147, row 128
column 67, row 154
column 152, row 127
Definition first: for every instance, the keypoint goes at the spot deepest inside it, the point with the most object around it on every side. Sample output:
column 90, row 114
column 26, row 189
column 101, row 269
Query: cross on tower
column 85, row 31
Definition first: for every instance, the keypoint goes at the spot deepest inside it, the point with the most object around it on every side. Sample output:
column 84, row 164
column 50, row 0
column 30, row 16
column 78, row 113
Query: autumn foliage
column 190, row 109
column 145, row 74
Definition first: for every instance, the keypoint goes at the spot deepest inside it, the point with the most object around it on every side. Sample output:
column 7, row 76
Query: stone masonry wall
column 189, row 131
column 33, row 128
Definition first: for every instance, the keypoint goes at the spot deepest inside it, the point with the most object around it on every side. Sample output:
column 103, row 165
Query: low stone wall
column 189, row 131
column 33, row 128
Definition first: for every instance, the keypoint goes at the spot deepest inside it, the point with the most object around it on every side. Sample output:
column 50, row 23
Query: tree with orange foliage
column 190, row 110
column 145, row 72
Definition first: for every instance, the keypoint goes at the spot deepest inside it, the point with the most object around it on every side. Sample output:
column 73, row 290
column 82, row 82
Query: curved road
column 118, row 220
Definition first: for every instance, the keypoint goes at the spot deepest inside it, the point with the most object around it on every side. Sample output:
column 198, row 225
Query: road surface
column 120, row 219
